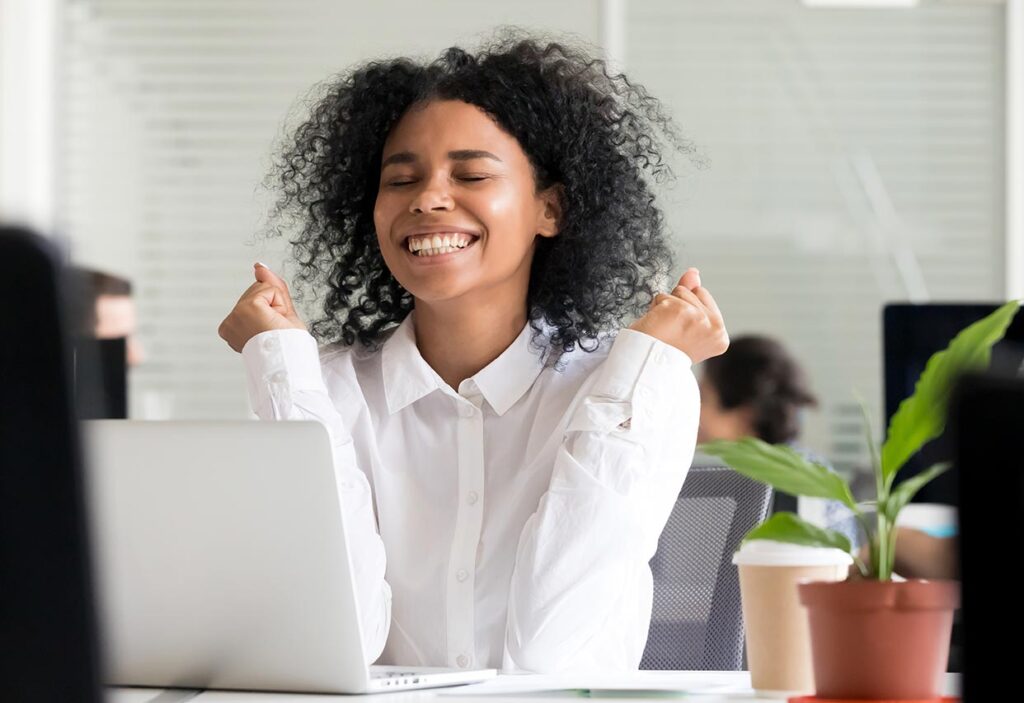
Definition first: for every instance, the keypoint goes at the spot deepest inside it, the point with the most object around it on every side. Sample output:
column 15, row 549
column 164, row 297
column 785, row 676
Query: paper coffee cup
column 778, row 635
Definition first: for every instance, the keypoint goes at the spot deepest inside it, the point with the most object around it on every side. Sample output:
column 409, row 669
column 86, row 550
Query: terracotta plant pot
column 880, row 639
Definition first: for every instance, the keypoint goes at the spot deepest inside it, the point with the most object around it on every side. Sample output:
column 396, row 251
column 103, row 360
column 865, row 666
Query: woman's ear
column 549, row 219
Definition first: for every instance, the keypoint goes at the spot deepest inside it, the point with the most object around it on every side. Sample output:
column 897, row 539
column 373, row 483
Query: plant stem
column 882, row 541
column 861, row 566
column 883, row 564
column 877, row 547
column 865, row 527
column 892, row 549
column 886, row 530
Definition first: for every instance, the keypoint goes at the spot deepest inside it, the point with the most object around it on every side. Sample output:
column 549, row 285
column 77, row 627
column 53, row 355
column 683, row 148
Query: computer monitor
column 986, row 418
column 99, row 366
column 101, row 378
column 911, row 334
column 48, row 645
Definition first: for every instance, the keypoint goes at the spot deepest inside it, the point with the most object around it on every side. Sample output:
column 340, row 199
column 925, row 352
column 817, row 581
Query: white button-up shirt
column 517, row 514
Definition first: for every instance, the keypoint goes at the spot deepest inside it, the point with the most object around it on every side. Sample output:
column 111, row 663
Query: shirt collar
column 507, row 379
column 408, row 377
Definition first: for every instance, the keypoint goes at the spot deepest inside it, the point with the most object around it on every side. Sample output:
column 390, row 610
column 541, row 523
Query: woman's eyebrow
column 407, row 157
column 401, row 157
column 467, row 154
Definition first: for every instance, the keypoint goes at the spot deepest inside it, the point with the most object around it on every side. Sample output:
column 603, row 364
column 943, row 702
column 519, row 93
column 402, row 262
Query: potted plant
column 873, row 637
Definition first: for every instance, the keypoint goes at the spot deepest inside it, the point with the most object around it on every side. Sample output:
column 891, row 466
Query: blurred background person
column 758, row 389
column 110, row 310
column 755, row 389
column 106, row 344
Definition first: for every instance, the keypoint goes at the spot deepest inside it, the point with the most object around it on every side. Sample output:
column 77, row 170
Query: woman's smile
column 440, row 250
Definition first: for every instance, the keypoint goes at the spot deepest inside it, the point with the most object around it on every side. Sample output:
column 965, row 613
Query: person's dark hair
column 598, row 135
column 757, row 372
column 102, row 283
column 88, row 285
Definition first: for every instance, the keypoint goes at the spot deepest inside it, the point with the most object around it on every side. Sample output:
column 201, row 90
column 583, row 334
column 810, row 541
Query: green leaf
column 869, row 436
column 906, row 490
column 922, row 417
column 780, row 467
column 787, row 527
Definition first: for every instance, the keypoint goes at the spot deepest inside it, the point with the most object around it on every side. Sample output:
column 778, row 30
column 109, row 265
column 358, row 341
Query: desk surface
column 699, row 686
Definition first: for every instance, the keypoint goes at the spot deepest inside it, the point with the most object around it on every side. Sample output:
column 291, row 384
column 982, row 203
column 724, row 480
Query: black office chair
column 48, row 637
column 697, row 619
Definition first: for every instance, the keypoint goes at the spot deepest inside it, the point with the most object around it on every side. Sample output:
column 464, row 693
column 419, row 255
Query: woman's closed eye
column 470, row 178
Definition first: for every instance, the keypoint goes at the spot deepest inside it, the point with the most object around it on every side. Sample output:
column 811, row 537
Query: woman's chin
column 438, row 292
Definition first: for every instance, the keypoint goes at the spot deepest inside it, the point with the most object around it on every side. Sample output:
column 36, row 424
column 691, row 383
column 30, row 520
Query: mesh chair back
column 697, row 621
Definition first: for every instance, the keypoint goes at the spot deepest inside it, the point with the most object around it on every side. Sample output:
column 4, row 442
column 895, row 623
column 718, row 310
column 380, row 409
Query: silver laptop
column 221, row 561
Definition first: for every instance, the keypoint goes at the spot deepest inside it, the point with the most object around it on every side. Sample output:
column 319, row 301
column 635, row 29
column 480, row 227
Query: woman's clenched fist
column 266, row 305
column 687, row 318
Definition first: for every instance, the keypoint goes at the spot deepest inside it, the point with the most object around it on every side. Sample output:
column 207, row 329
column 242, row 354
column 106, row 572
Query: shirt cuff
column 280, row 363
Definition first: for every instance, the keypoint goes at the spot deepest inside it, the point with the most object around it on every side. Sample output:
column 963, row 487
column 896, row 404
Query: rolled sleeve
column 640, row 379
column 633, row 409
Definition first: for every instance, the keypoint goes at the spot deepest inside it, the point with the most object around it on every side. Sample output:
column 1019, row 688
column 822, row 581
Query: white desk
column 700, row 686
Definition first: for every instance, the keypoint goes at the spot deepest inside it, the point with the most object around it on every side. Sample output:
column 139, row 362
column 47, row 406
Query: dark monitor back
column 986, row 423
column 101, row 378
column 911, row 334
column 48, row 647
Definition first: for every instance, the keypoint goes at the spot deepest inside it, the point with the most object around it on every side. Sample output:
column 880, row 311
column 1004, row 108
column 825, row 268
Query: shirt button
column 271, row 343
column 461, row 575
column 466, row 411
column 279, row 377
column 462, row 660
column 472, row 497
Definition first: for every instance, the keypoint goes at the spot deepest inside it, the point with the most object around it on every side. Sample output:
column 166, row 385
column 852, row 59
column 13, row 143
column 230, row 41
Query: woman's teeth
column 434, row 244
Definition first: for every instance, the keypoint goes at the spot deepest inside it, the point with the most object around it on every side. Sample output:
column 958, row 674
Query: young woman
column 478, row 228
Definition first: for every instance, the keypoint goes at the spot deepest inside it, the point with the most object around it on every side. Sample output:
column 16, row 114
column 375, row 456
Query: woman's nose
column 432, row 197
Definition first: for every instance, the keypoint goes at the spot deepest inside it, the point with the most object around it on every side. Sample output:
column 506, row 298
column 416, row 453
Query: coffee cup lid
column 763, row 552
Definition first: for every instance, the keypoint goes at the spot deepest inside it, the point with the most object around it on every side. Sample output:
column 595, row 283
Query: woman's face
column 457, row 211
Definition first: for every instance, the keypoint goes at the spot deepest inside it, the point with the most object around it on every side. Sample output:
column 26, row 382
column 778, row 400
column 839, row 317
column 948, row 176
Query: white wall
column 1015, row 149
column 28, row 36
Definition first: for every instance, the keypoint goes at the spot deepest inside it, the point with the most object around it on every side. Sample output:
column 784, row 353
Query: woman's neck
column 459, row 339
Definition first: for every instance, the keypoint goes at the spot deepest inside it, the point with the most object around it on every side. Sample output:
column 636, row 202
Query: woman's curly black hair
column 598, row 135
